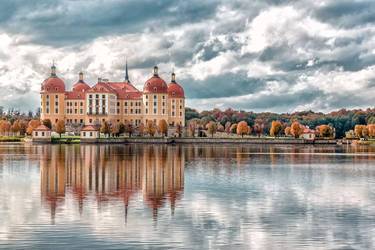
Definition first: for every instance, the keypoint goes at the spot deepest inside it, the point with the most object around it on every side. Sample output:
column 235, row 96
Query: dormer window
column 155, row 88
column 173, row 93
column 101, row 89
column 148, row 83
column 95, row 88
column 47, row 88
column 56, row 88
column 79, row 96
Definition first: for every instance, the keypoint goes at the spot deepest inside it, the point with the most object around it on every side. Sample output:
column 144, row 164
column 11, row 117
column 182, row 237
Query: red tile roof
column 175, row 90
column 155, row 85
column 53, row 84
column 90, row 128
column 42, row 128
column 101, row 87
column 75, row 95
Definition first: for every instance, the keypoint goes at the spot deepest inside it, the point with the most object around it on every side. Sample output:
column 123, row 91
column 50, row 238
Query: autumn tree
column 129, row 128
column 258, row 129
column 325, row 130
column 220, row 128
column 178, row 129
column 371, row 130
column 4, row 127
column 227, row 127
column 275, row 128
column 16, row 128
column 150, row 128
column 242, row 128
column 358, row 130
column 104, row 129
column 287, row 131
column 249, row 130
column 211, row 128
column 60, row 127
column 121, row 128
column 192, row 124
column 233, row 128
column 31, row 126
column 163, row 127
column 141, row 129
column 365, row 131
column 296, row 129
column 23, row 127
column 114, row 128
column 47, row 123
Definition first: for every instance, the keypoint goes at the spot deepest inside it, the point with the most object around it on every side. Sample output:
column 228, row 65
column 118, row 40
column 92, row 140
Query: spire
column 53, row 69
column 81, row 76
column 156, row 74
column 126, row 72
column 173, row 77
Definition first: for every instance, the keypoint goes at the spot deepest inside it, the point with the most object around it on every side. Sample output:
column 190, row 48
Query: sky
column 270, row 55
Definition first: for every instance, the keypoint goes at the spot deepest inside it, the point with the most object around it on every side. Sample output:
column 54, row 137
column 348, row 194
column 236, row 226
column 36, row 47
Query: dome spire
column 53, row 69
column 156, row 74
column 126, row 71
column 81, row 76
column 173, row 76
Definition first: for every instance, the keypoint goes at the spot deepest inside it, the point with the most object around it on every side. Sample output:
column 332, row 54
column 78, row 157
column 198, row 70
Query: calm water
column 200, row 197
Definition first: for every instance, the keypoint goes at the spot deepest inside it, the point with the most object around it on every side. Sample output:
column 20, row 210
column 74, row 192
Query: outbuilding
column 308, row 134
column 42, row 134
column 89, row 134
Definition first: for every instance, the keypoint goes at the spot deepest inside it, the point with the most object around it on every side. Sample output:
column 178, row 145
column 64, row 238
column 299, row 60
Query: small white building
column 89, row 133
column 42, row 134
column 308, row 134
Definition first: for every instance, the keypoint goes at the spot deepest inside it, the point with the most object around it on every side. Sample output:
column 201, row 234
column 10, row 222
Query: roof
column 308, row 131
column 155, row 85
column 89, row 128
column 80, row 86
column 175, row 90
column 101, row 87
column 42, row 128
column 53, row 84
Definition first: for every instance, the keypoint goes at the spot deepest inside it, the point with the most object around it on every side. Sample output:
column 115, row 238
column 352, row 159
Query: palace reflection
column 112, row 173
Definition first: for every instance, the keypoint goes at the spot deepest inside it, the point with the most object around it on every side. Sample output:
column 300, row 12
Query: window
column 56, row 103
column 81, row 121
column 155, row 89
column 126, row 104
column 163, row 111
column 180, row 113
column 90, row 133
column 42, row 133
column 103, row 102
column 103, row 96
column 131, row 111
column 75, row 104
column 103, row 110
column 180, row 106
column 125, row 111
column 56, row 88
column 90, row 96
column 56, row 111
column 56, row 97
column 47, row 96
column 97, row 102
column 118, row 111
column 84, row 133
column 146, row 103
column 155, row 97
column 146, row 96
column 163, row 97
column 118, row 104
column 146, row 111
column 97, row 96
column 90, row 102
column 75, row 120
column 75, row 111
column 155, row 104
column 47, row 103
column 163, row 104
column 155, row 111
column 36, row 133
column 97, row 111
column 81, row 104
column 81, row 111
column 172, row 113
column 90, row 121
column 131, row 104
column 56, row 120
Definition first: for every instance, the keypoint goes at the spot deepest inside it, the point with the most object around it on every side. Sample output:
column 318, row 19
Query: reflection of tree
column 112, row 173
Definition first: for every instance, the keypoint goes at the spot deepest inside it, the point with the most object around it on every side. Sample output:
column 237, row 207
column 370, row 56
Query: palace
column 112, row 101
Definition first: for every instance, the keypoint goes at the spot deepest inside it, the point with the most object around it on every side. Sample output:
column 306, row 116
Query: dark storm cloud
column 226, row 85
column 62, row 23
column 347, row 13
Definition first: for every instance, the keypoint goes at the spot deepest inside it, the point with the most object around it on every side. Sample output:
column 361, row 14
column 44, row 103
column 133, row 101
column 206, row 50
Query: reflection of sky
column 262, row 204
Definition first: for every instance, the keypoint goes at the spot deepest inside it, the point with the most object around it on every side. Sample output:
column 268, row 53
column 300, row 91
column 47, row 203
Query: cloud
column 225, row 54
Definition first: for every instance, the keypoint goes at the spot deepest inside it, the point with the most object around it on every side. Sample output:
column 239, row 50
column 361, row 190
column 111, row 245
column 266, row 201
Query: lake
column 187, row 196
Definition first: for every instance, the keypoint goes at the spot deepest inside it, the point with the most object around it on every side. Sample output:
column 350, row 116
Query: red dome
column 175, row 90
column 53, row 84
column 80, row 86
column 155, row 85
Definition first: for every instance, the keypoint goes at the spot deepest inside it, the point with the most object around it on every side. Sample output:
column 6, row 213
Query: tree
column 114, row 128
column 365, row 131
column 233, row 128
column 47, row 123
column 258, row 129
column 141, row 129
column 4, row 127
column 60, row 127
column 249, row 130
column 104, row 129
column 220, row 128
column 371, row 120
column 227, row 127
column 192, row 124
column 296, row 129
column 16, row 128
column 129, row 128
column 275, row 128
column 325, row 130
column 178, row 129
column 211, row 128
column 358, row 130
column 121, row 128
column 350, row 134
column 163, row 127
column 242, row 128
column 371, row 130
column 287, row 131
column 23, row 127
column 31, row 126
column 150, row 128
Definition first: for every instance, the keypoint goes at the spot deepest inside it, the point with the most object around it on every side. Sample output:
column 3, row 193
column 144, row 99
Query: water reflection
column 112, row 174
